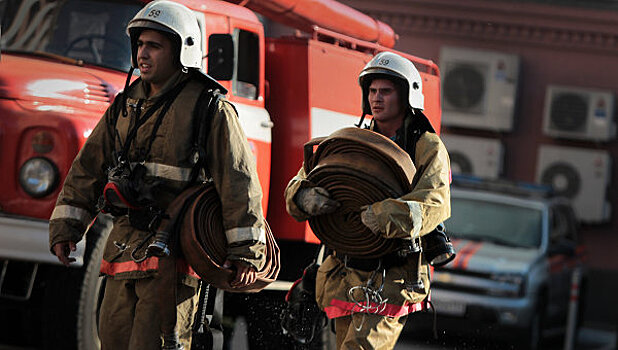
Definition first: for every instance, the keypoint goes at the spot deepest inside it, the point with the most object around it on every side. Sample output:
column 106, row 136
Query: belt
column 371, row 264
column 357, row 167
column 196, row 215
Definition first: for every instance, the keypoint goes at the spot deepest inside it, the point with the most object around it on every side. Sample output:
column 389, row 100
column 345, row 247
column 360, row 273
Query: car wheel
column 532, row 336
column 534, row 333
column 92, row 288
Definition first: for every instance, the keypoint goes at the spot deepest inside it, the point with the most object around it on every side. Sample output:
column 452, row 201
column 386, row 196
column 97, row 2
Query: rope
column 357, row 167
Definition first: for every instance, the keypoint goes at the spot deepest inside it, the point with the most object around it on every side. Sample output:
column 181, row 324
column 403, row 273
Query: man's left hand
column 245, row 273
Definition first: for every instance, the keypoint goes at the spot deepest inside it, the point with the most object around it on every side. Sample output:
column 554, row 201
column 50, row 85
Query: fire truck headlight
column 38, row 177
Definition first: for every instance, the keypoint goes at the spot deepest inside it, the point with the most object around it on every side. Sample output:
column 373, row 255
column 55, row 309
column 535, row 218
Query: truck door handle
column 267, row 124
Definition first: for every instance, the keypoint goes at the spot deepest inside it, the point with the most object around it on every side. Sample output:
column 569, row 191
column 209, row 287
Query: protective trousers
column 368, row 331
column 129, row 317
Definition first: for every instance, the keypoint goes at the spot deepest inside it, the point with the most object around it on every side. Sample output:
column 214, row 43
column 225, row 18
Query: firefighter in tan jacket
column 141, row 155
column 392, row 94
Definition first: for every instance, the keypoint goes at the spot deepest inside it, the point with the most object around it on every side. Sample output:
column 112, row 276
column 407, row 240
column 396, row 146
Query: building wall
column 556, row 45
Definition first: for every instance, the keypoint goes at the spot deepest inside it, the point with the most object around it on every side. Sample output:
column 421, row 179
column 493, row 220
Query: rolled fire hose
column 196, row 215
column 357, row 167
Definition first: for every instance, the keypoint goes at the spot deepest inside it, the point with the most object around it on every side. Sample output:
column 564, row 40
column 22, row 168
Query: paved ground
column 587, row 339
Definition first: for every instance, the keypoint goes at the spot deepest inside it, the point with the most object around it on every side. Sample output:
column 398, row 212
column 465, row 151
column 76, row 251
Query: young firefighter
column 141, row 156
column 392, row 94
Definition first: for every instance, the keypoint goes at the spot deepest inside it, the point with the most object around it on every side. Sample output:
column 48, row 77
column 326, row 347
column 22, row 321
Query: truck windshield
column 91, row 31
column 495, row 222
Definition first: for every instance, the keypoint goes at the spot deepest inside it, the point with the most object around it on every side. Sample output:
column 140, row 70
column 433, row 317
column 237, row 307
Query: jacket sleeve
column 297, row 183
column 76, row 204
column 420, row 211
column 232, row 166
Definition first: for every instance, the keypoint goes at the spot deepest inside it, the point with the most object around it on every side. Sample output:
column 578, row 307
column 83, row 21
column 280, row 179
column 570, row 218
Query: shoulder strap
column 119, row 105
column 202, row 120
column 418, row 126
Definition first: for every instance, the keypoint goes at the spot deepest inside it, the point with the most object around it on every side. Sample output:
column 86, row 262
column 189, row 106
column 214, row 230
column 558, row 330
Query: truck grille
column 17, row 279
column 475, row 283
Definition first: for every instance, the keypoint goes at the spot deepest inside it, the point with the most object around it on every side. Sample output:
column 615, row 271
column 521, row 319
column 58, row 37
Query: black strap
column 166, row 101
column 198, row 326
column 202, row 120
column 164, row 110
column 215, row 321
column 208, row 331
column 120, row 102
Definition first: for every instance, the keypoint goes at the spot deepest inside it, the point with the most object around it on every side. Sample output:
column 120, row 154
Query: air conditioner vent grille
column 569, row 112
column 464, row 88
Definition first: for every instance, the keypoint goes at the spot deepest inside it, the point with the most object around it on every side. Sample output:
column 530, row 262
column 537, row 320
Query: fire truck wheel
column 92, row 287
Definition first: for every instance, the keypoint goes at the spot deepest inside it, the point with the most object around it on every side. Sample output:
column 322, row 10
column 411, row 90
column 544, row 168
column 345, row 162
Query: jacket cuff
column 253, row 253
column 296, row 184
column 65, row 231
column 394, row 218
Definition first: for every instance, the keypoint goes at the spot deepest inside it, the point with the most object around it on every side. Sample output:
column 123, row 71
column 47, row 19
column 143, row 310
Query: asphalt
column 587, row 339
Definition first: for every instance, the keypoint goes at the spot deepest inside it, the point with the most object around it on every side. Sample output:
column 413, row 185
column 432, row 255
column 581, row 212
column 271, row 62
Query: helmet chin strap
column 360, row 122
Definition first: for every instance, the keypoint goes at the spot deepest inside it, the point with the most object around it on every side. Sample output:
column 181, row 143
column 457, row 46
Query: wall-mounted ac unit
column 579, row 174
column 476, row 156
column 579, row 113
column 479, row 88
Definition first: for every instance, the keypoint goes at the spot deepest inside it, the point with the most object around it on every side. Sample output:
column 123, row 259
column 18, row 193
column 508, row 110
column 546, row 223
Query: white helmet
column 393, row 65
column 174, row 18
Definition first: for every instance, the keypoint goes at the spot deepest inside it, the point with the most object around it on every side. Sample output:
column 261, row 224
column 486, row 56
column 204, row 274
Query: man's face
column 384, row 101
column 155, row 58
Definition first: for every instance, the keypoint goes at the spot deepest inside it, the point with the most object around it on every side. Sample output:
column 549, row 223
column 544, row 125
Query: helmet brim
column 142, row 24
column 368, row 73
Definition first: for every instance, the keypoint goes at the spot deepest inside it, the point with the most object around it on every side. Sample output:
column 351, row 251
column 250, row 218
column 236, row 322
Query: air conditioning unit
column 479, row 88
column 476, row 156
column 578, row 113
column 579, row 174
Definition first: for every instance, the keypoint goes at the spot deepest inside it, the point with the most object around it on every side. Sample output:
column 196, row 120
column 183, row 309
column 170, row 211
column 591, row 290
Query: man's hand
column 62, row 251
column 369, row 219
column 315, row 201
column 245, row 273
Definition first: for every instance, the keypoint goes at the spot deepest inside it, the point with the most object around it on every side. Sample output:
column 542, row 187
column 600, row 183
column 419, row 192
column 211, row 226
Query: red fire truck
column 291, row 69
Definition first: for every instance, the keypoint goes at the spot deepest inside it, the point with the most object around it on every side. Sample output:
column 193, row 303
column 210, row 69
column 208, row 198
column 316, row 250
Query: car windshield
column 495, row 222
column 90, row 31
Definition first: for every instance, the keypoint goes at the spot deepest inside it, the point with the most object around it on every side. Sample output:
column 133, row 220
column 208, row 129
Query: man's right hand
column 62, row 251
column 315, row 201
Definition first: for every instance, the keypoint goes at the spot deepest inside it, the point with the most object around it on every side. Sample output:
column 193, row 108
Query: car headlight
column 507, row 284
column 38, row 177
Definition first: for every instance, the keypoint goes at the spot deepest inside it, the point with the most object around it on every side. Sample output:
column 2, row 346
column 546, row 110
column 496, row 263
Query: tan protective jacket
column 229, row 162
column 417, row 212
